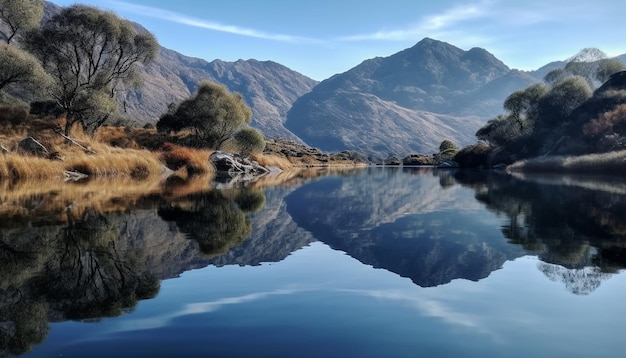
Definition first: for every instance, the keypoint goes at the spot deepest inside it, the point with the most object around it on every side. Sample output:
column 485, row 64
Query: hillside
column 269, row 88
column 407, row 102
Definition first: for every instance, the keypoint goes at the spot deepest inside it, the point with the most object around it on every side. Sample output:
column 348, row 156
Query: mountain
column 407, row 102
column 589, row 54
column 269, row 88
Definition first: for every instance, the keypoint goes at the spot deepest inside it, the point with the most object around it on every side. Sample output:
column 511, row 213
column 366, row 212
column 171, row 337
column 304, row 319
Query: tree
column 213, row 113
column 90, row 53
column 608, row 67
column 556, row 105
column 19, row 16
column 447, row 147
column 21, row 68
column 249, row 140
column 523, row 104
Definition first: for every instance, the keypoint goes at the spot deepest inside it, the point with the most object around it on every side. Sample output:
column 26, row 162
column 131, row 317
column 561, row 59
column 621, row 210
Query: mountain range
column 402, row 104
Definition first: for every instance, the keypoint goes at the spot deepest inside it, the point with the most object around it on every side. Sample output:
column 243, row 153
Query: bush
column 249, row 140
column 474, row 156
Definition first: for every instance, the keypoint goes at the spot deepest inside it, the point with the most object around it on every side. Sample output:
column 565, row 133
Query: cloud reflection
column 196, row 308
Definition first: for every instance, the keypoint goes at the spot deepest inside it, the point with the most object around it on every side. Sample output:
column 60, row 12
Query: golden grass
column 269, row 160
column 18, row 167
column 194, row 161
column 612, row 163
column 136, row 164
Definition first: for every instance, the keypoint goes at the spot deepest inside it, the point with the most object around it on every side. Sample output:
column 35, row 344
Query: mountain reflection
column 404, row 221
column 421, row 224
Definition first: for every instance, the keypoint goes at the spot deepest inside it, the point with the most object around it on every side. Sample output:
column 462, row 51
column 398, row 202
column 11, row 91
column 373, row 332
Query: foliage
column 473, row 156
column 607, row 123
column 250, row 201
column 566, row 95
column 608, row 67
column 213, row 113
column 594, row 73
column 249, row 140
column 90, row 53
column 214, row 221
column 19, row 16
column 447, row 147
column 18, row 67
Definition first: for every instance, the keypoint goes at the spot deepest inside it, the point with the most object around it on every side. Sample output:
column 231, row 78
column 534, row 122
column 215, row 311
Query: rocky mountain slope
column 407, row 102
column 269, row 88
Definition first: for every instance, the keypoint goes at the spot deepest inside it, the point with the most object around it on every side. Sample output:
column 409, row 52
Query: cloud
column 429, row 25
column 206, row 24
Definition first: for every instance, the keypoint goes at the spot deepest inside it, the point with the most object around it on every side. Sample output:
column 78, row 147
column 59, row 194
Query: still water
column 376, row 262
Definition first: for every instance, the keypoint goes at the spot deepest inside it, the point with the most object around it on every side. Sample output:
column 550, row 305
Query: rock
column 32, row 147
column 230, row 167
column 418, row 159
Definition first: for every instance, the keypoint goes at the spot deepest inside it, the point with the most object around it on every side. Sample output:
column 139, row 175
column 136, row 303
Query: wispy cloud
column 429, row 25
column 178, row 18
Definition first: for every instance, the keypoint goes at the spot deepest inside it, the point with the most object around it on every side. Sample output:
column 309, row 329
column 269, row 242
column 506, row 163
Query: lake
column 372, row 262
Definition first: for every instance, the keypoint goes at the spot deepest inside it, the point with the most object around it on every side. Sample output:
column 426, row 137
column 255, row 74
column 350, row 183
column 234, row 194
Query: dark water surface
column 379, row 262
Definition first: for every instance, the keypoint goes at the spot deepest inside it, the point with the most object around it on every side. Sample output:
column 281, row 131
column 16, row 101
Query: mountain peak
column 590, row 54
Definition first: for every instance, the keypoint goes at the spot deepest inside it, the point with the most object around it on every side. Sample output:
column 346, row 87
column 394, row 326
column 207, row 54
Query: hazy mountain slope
column 407, row 102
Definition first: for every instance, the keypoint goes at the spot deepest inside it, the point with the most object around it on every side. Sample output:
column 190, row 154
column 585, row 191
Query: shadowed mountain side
column 389, row 97
column 406, row 224
column 368, row 124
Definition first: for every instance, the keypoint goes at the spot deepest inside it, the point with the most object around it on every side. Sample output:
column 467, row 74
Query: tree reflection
column 571, row 226
column 216, row 219
column 76, row 271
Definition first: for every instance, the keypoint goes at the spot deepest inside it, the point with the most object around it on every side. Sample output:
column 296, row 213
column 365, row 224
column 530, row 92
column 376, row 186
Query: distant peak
column 590, row 54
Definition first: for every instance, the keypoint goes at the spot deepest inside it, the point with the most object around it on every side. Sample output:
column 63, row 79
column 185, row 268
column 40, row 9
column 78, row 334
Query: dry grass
column 269, row 160
column 193, row 161
column 613, row 163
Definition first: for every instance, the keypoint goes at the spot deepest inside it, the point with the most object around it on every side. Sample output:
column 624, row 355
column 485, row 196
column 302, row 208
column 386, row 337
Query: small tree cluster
column 215, row 115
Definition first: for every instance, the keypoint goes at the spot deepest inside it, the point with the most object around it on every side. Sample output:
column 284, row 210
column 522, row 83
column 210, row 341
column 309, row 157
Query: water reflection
column 85, row 253
column 571, row 226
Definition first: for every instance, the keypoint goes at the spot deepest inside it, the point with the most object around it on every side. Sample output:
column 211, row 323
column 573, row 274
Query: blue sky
column 319, row 38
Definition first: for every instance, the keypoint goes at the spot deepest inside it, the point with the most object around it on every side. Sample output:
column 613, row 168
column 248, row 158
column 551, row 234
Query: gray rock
column 230, row 167
column 32, row 147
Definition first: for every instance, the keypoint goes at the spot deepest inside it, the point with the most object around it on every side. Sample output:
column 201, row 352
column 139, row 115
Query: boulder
column 31, row 146
column 230, row 167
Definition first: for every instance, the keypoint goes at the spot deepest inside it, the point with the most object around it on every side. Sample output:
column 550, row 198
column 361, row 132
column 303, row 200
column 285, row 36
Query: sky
column 320, row 38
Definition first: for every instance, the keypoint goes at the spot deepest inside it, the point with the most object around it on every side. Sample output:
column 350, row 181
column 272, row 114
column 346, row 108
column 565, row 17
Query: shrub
column 473, row 156
column 249, row 140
